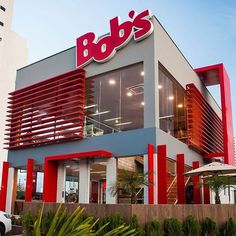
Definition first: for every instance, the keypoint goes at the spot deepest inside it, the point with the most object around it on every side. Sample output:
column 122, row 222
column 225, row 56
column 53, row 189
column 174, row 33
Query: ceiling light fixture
column 129, row 94
column 111, row 119
column 112, row 81
column 125, row 123
column 90, row 106
column 98, row 172
column 100, row 113
column 159, row 86
column 171, row 97
column 180, row 105
column 142, row 103
column 142, row 73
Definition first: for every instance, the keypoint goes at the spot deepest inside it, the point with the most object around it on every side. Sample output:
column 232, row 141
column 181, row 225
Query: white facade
column 13, row 55
column 227, row 196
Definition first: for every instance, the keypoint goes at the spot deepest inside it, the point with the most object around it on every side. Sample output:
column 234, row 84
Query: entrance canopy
column 87, row 155
column 51, row 180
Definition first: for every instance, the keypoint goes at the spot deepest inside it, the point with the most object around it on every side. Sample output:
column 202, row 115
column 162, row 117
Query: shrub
column 209, row 227
column 116, row 220
column 134, row 224
column 229, row 228
column 191, row 227
column 28, row 220
column 46, row 221
column 153, row 228
column 103, row 221
column 172, row 227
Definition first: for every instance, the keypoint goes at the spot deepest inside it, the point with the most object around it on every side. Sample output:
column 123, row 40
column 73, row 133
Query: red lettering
column 88, row 48
column 85, row 49
column 143, row 25
column 121, row 33
column 104, row 49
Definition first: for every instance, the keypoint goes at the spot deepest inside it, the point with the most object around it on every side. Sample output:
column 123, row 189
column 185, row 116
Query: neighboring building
column 13, row 55
column 137, row 104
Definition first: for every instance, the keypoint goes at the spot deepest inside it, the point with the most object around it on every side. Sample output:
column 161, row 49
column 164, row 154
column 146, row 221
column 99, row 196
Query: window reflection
column 172, row 107
column 114, row 101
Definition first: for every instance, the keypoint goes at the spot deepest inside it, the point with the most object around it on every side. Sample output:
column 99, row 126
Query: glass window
column 114, row 101
column 172, row 108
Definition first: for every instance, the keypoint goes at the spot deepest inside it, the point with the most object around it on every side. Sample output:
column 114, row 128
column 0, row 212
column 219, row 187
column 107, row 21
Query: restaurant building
column 126, row 100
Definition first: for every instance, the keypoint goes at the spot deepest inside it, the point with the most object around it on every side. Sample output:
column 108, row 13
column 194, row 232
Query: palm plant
column 129, row 182
column 218, row 183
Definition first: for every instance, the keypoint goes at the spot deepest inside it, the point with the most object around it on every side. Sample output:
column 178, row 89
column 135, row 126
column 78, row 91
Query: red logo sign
column 89, row 48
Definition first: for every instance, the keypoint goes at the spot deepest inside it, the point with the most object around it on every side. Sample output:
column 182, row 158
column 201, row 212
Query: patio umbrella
column 214, row 168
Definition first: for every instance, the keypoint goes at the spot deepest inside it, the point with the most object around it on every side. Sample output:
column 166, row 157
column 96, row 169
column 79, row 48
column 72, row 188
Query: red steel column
column 196, row 185
column 227, row 116
column 150, row 174
column 29, row 180
column 206, row 192
column 50, row 181
column 3, row 193
column 180, row 179
column 162, row 174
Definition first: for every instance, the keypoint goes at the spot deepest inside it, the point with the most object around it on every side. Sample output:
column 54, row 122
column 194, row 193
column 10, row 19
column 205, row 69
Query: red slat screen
column 47, row 112
column 204, row 127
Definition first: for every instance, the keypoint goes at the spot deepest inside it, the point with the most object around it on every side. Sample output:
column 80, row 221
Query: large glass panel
column 37, row 183
column 114, row 101
column 172, row 108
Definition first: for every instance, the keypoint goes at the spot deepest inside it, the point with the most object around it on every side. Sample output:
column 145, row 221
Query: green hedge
column 171, row 227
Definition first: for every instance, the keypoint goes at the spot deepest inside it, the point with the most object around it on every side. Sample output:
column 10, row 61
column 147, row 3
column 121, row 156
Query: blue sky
column 205, row 31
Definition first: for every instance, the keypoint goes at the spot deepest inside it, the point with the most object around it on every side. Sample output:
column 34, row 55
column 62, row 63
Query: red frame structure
column 3, row 192
column 213, row 75
column 29, row 180
column 50, row 170
column 151, row 174
column 47, row 112
column 204, row 127
column 162, row 174
column 196, row 185
column 180, row 179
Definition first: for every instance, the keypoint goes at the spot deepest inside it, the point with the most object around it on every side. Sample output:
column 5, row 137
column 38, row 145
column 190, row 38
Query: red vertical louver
column 204, row 127
column 47, row 112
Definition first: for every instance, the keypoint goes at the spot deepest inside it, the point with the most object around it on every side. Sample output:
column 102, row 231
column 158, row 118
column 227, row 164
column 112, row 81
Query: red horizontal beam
column 54, row 93
column 212, row 155
column 204, row 127
column 76, row 120
column 66, row 126
column 97, row 153
column 36, row 112
column 46, row 142
column 203, row 143
column 78, row 114
column 59, row 105
column 62, row 97
column 202, row 106
column 63, row 83
column 30, row 88
column 46, row 136
column 48, row 101
column 19, row 125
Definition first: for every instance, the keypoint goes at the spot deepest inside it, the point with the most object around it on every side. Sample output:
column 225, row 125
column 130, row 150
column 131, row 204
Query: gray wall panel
column 127, row 143
column 57, row 64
